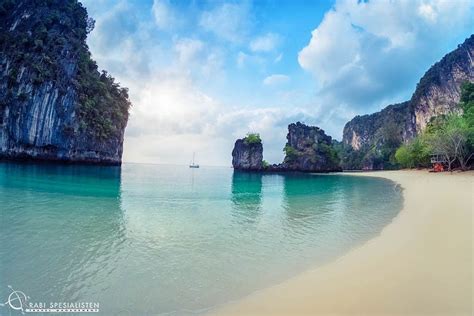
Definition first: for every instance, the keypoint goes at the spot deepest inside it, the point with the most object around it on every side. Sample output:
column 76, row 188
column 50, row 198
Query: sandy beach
column 421, row 263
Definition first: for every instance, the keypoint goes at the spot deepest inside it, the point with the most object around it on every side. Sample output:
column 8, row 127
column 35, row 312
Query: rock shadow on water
column 246, row 196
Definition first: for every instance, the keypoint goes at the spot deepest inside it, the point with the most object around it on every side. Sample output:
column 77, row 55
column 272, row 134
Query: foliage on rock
column 47, row 40
column 252, row 138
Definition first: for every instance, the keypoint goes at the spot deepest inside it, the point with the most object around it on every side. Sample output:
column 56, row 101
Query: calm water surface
column 149, row 239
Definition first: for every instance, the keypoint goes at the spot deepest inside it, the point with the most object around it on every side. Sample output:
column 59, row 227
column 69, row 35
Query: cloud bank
column 366, row 53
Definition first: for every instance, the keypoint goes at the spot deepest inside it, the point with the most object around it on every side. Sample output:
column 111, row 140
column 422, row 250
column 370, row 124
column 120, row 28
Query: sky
column 203, row 73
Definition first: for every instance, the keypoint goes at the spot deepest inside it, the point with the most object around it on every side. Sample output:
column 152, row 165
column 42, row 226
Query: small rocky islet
column 308, row 149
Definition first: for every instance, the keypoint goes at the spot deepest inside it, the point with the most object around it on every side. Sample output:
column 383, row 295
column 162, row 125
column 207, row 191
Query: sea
column 145, row 239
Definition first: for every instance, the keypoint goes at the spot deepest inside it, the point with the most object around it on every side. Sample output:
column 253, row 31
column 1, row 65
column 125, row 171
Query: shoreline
column 420, row 264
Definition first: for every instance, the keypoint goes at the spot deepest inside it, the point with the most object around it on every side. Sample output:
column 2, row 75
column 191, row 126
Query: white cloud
column 227, row 21
column 278, row 58
column 198, row 58
column 168, row 104
column 164, row 14
column 244, row 59
column 428, row 12
column 265, row 43
column 275, row 79
column 364, row 53
column 188, row 49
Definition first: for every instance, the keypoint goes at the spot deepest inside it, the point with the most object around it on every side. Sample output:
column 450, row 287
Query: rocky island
column 54, row 103
column 248, row 153
column 308, row 149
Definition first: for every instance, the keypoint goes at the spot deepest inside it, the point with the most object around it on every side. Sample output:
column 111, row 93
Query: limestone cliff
column 54, row 103
column 372, row 139
column 307, row 149
column 439, row 90
column 247, row 154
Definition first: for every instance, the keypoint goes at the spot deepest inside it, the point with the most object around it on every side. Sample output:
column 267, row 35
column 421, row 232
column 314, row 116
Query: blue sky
column 203, row 73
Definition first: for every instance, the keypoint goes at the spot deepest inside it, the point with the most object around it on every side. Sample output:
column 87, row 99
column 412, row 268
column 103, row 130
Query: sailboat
column 193, row 165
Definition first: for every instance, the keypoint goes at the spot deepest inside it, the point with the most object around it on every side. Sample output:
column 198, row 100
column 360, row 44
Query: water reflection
column 310, row 212
column 246, row 195
column 62, row 179
column 66, row 224
column 297, row 188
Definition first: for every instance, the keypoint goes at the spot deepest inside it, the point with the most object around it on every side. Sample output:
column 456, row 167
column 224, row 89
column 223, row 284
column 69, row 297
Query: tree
column 403, row 156
column 420, row 151
column 388, row 140
column 90, row 24
column 252, row 138
column 290, row 153
column 415, row 153
column 451, row 141
column 467, row 105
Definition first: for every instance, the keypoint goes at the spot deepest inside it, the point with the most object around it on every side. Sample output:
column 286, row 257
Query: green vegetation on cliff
column 47, row 43
column 450, row 137
column 380, row 135
column 370, row 141
column 252, row 138
column 308, row 148
column 467, row 105
column 290, row 153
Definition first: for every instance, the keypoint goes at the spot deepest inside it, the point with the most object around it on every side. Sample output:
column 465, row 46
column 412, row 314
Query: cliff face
column 247, row 156
column 439, row 90
column 361, row 130
column 374, row 137
column 308, row 148
column 54, row 104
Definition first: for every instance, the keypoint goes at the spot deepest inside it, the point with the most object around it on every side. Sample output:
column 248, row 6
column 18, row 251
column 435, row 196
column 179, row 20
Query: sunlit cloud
column 382, row 48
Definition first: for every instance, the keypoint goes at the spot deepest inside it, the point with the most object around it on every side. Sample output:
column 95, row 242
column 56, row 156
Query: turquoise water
column 150, row 239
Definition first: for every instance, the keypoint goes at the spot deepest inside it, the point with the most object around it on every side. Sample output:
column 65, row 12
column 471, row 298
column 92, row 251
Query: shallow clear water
column 149, row 239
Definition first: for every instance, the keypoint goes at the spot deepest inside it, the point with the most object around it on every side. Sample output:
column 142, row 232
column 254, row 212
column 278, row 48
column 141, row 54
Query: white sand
column 421, row 264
